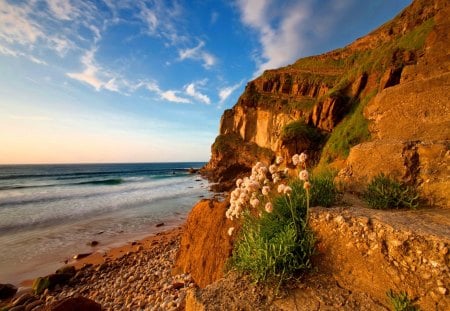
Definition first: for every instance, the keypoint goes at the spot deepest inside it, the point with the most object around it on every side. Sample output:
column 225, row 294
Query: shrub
column 275, row 240
column 299, row 130
column 384, row 192
column 401, row 302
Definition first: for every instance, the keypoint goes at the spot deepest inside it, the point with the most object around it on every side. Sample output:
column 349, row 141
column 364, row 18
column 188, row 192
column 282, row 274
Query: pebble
column 138, row 281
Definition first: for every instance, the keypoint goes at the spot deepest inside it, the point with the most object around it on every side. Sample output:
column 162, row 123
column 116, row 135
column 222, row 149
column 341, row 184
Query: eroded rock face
column 205, row 244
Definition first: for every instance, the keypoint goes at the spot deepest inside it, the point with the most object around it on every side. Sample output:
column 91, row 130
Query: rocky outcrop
column 205, row 243
column 395, row 82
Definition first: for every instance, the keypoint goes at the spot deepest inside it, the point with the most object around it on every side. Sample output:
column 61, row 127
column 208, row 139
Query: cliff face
column 387, row 94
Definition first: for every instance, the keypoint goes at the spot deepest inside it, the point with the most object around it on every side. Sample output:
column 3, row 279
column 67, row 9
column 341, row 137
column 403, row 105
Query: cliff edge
column 380, row 104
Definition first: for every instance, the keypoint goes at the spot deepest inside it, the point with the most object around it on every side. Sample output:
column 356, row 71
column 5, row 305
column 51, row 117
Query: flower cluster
column 255, row 190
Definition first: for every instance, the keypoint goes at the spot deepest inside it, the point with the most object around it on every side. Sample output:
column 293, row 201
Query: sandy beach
column 134, row 276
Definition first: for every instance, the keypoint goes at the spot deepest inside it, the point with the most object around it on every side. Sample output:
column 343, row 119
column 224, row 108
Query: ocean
column 48, row 213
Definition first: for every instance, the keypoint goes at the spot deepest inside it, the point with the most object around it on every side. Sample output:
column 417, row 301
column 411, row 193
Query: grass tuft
column 400, row 301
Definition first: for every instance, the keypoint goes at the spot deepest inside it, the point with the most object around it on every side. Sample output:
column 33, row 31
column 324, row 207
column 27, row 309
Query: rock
column 7, row 291
column 40, row 284
column 33, row 305
column 66, row 270
column 159, row 224
column 80, row 256
column 93, row 243
column 442, row 290
column 50, row 281
column 177, row 285
column 74, row 304
column 22, row 299
column 18, row 308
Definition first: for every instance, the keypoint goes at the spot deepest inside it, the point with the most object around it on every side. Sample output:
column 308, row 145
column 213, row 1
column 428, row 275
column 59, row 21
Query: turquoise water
column 50, row 212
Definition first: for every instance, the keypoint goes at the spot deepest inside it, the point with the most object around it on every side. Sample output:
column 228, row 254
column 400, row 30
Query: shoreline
column 116, row 250
column 136, row 275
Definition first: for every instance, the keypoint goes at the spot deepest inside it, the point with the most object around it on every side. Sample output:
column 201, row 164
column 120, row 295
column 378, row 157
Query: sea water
column 48, row 213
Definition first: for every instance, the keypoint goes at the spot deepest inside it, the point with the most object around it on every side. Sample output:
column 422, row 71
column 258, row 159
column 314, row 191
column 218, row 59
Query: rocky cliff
column 380, row 104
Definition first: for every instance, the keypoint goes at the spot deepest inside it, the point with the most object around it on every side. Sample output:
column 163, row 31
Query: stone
column 442, row 290
column 33, row 305
column 74, row 304
column 159, row 224
column 81, row 255
column 66, row 270
column 93, row 243
column 7, row 291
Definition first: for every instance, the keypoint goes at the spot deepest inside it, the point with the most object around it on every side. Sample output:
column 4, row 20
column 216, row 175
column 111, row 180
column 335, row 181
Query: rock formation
column 380, row 104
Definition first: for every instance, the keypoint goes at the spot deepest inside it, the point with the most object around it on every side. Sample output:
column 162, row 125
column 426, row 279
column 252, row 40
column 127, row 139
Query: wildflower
column 303, row 175
column 287, row 190
column 302, row 157
column 268, row 207
column 238, row 182
column 286, row 171
column 263, row 170
column 295, row 159
column 307, row 185
column 265, row 190
column 230, row 231
column 279, row 160
column 266, row 181
column 281, row 188
column 276, row 180
column 272, row 169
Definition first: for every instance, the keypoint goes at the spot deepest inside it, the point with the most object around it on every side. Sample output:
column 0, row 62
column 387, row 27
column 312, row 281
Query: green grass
column 277, row 245
column 400, row 301
column 352, row 130
column 299, row 130
column 386, row 193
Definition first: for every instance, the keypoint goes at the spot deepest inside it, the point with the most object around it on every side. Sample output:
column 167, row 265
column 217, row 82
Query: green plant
column 275, row 246
column 299, row 130
column 383, row 193
column 400, row 301
column 323, row 191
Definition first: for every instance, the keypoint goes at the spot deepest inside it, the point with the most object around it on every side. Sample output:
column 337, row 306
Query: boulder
column 74, row 304
column 205, row 245
column 7, row 291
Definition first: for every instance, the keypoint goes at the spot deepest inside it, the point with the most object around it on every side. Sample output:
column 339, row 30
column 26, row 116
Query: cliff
column 380, row 104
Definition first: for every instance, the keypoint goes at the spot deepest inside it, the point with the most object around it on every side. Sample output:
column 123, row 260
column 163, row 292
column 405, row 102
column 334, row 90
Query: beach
column 134, row 276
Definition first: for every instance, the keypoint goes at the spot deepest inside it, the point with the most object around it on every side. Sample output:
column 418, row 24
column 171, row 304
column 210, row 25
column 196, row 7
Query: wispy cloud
column 192, row 91
column 198, row 53
column 225, row 92
column 286, row 32
column 173, row 97
column 90, row 73
column 6, row 51
column 62, row 9
column 30, row 117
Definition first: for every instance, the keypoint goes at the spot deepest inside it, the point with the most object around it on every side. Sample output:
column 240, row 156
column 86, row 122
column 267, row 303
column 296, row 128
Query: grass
column 352, row 130
column 299, row 130
column 273, row 247
column 385, row 193
column 400, row 301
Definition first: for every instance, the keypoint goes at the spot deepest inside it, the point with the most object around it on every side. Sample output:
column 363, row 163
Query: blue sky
column 143, row 81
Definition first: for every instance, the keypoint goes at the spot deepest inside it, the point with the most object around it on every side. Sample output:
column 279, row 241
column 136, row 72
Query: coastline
column 137, row 274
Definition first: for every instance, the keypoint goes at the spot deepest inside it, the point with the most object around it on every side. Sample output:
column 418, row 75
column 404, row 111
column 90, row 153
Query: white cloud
column 6, row 51
column 286, row 31
column 197, row 53
column 62, row 9
column 15, row 27
column 191, row 91
column 90, row 74
column 225, row 92
column 173, row 97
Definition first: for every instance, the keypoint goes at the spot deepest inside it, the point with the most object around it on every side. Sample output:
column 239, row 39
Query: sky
column 148, row 80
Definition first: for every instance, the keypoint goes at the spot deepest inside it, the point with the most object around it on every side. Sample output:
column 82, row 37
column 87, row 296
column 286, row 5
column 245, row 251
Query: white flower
column 263, row 170
column 266, row 182
column 254, row 202
column 286, row 171
column 230, row 231
column 281, row 188
column 276, row 180
column 303, row 157
column 268, row 207
column 238, row 182
column 287, row 190
column 306, row 185
column 272, row 169
column 303, row 175
column 265, row 190
column 295, row 159
column 279, row 160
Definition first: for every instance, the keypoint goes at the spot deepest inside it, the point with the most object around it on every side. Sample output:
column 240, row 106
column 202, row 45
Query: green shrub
column 299, row 130
column 276, row 245
column 401, row 302
column 384, row 192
